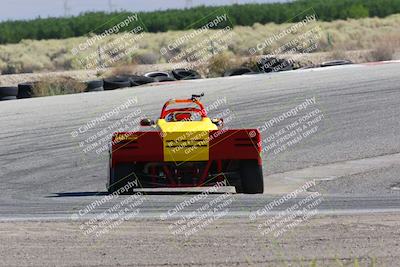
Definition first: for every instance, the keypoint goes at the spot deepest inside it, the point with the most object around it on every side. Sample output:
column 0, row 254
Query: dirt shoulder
column 302, row 60
column 83, row 75
column 372, row 240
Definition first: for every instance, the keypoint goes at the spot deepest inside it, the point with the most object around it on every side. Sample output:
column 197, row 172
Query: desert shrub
column 251, row 63
column 220, row 63
column 385, row 47
column 58, row 86
column 123, row 69
column 146, row 58
column 337, row 54
column 66, row 62
column 381, row 53
column 3, row 66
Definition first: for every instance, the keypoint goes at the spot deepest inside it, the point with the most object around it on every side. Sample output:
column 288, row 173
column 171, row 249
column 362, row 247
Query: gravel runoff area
column 340, row 240
column 383, row 181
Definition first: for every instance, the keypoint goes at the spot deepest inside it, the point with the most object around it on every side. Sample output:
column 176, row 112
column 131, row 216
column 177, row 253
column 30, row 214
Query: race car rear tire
column 251, row 177
column 120, row 176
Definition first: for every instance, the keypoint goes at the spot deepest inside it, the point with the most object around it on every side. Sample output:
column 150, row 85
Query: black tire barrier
column 273, row 64
column 4, row 98
column 8, row 91
column 25, row 90
column 98, row 89
column 336, row 63
column 183, row 74
column 93, row 85
column 237, row 72
column 137, row 80
column 140, row 80
column 156, row 74
column 252, row 73
column 164, row 79
column 116, row 83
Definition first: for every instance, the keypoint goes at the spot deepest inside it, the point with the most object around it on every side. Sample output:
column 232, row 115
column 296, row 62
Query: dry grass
column 379, row 35
column 338, row 54
column 58, row 86
column 385, row 47
column 127, row 69
column 220, row 63
column 382, row 53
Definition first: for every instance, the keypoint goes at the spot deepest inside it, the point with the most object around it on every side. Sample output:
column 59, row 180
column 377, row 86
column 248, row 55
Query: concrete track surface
column 349, row 152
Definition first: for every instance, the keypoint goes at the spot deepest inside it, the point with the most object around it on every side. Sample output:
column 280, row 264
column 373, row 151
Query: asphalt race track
column 45, row 172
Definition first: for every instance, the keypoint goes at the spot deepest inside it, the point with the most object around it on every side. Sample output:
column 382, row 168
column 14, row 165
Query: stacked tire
column 117, row 82
column 336, row 63
column 273, row 64
column 185, row 74
column 238, row 71
column 94, row 86
column 8, row 93
column 25, row 90
column 137, row 80
column 160, row 76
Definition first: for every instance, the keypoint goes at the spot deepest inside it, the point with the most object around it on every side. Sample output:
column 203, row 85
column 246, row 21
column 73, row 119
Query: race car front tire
column 251, row 177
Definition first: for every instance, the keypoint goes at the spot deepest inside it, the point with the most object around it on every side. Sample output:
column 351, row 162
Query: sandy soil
column 341, row 240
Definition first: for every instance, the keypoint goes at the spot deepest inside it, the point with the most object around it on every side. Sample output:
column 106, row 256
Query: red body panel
column 235, row 144
column 223, row 145
column 148, row 147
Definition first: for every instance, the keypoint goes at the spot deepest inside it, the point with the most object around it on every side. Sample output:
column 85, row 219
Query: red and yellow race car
column 185, row 148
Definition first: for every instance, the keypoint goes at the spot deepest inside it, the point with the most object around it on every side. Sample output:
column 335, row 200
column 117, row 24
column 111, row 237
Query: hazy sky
column 26, row 9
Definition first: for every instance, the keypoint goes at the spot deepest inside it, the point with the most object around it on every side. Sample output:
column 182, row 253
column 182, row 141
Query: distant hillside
column 162, row 21
column 380, row 36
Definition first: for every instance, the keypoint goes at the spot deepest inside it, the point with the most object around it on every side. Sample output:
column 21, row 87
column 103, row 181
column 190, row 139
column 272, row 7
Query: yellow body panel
column 186, row 140
column 186, row 126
